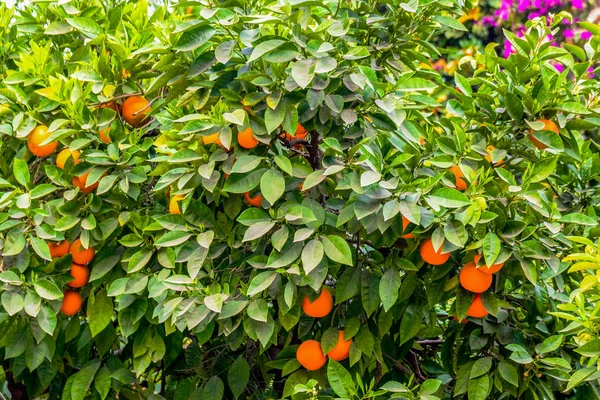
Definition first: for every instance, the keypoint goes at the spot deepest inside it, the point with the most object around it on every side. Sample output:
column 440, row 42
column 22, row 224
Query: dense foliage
column 236, row 179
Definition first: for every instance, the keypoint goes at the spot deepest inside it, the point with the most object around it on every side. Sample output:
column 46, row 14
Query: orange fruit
column 64, row 155
column 421, row 140
column 488, row 157
column 430, row 256
column 310, row 355
column 71, row 303
column 255, row 201
column 174, row 204
column 80, row 274
column 320, row 307
column 476, row 309
column 214, row 138
column 37, row 136
column 463, row 321
column 58, row 249
column 189, row 10
column 113, row 105
column 135, row 110
column 81, row 255
column 458, row 174
column 473, row 280
column 80, row 182
column 405, row 223
column 548, row 126
column 105, row 135
column 485, row 269
column 125, row 74
column 341, row 351
column 246, row 139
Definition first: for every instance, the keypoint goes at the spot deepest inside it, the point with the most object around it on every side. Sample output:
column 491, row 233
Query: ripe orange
column 488, row 157
column 458, row 174
column 81, row 275
column 71, row 303
column 135, row 110
column 37, row 136
column 246, row 139
column 477, row 310
column 64, row 155
column 341, row 350
column 255, row 201
column 105, row 135
column 310, row 355
column 485, row 269
column 548, row 126
column 214, row 138
column 430, row 256
column 405, row 223
column 320, row 307
column 473, row 279
column 81, row 255
column 80, row 182
column 174, row 204
column 58, row 249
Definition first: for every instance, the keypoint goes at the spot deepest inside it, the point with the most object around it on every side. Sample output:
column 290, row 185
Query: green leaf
column 514, row 106
column 41, row 248
column 312, row 254
column 449, row 198
column 478, row 388
column 139, row 260
column 258, row 230
column 543, row 169
column 21, row 171
column 389, row 287
column 265, row 47
column 481, row 367
column 450, row 22
column 579, row 376
column 577, row 218
column 173, row 238
column 491, row 248
column 337, row 249
column 245, row 163
column 47, row 319
column 551, row 344
column 238, row 376
column 47, row 290
column 261, row 282
column 99, row 312
column 411, row 323
column 340, row 379
column 509, row 373
column 272, row 185
column 85, row 25
column 83, row 379
column 12, row 302
column 239, row 183
column 195, row 38
column 303, row 72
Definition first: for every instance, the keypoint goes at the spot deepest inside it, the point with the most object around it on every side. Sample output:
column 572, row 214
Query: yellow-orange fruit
column 214, row 138
column 461, row 184
column 174, row 204
column 80, row 274
column 484, row 268
column 71, row 303
column 105, row 135
column 473, row 279
column 476, row 309
column 310, row 355
column 58, row 249
column 63, row 156
column 80, row 254
column 548, row 126
column 135, row 111
column 320, row 307
column 341, row 350
column 405, row 223
column 255, row 201
column 430, row 256
column 36, row 137
column 246, row 139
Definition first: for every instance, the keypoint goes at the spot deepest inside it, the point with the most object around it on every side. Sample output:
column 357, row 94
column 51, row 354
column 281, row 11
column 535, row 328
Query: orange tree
column 246, row 200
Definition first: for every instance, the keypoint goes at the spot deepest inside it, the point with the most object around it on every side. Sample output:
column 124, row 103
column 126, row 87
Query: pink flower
column 508, row 49
column 523, row 5
column 568, row 33
column 590, row 72
column 558, row 66
column 503, row 13
column 577, row 4
column 489, row 20
column 585, row 35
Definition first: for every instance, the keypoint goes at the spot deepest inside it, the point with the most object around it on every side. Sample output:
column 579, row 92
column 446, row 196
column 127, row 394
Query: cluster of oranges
column 310, row 353
column 134, row 111
column 79, row 271
column 472, row 278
